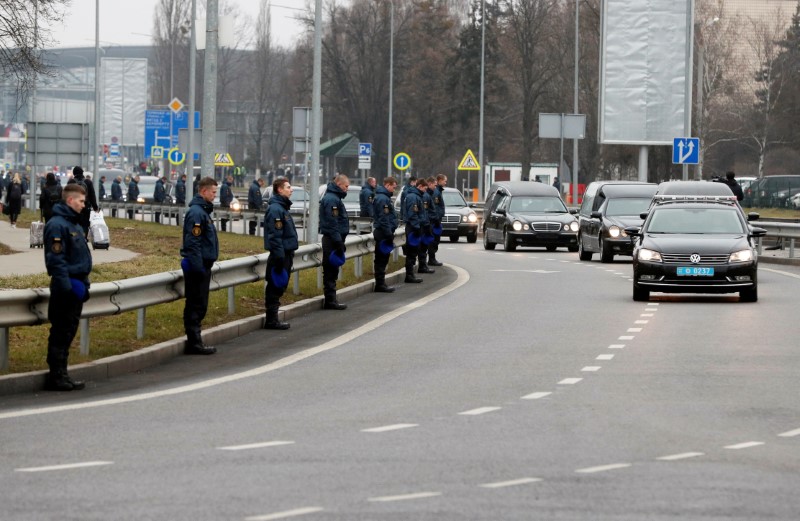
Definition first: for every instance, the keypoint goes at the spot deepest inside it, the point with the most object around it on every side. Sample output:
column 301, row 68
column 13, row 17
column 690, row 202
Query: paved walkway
column 30, row 261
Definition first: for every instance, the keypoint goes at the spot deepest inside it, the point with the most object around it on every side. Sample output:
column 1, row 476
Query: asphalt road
column 505, row 387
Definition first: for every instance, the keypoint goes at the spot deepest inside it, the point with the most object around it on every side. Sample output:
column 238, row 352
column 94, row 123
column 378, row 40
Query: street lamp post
column 480, row 133
column 575, row 159
column 391, row 87
column 97, row 103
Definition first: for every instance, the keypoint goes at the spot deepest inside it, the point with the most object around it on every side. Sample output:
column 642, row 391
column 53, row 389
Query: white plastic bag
column 96, row 217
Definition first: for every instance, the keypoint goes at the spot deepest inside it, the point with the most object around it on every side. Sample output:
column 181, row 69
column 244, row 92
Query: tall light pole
column 391, row 87
column 97, row 102
column 210, row 90
column 575, row 159
column 316, row 124
column 480, row 133
column 190, row 107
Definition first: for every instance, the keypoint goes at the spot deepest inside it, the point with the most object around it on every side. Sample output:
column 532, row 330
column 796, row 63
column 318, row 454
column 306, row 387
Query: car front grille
column 451, row 219
column 684, row 259
column 546, row 227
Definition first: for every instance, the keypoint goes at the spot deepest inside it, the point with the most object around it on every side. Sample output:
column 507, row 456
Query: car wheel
column 582, row 253
column 640, row 294
column 454, row 238
column 508, row 242
column 749, row 295
column 487, row 244
column 551, row 247
column 606, row 255
column 472, row 238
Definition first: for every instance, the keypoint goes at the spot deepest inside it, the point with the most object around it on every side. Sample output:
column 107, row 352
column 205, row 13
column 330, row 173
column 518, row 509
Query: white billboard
column 124, row 96
column 645, row 71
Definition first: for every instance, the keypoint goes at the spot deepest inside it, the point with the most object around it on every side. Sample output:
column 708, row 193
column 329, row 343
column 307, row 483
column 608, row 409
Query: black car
column 608, row 208
column 693, row 245
column 683, row 190
column 523, row 213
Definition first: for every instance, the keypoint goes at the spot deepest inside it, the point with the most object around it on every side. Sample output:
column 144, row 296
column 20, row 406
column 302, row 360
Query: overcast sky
column 121, row 19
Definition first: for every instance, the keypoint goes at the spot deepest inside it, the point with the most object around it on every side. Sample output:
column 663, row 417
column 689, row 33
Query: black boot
column 410, row 275
column 380, row 284
column 199, row 349
column 59, row 380
column 332, row 304
column 423, row 268
column 433, row 262
column 272, row 321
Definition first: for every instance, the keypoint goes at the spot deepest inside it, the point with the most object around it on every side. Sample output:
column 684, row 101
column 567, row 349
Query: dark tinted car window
column 537, row 205
column 695, row 220
column 627, row 206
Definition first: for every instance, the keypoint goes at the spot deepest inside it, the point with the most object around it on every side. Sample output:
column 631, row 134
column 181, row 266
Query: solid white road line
column 480, row 410
column 626, row 337
column 745, row 445
column 461, row 279
column 403, row 497
column 535, row 396
column 684, row 455
column 388, row 428
column 569, row 381
column 512, row 483
column 256, row 445
column 617, row 346
column 779, row 272
column 603, row 468
column 68, row 466
column 288, row 513
column 790, row 434
column 634, row 330
column 591, row 368
column 605, row 357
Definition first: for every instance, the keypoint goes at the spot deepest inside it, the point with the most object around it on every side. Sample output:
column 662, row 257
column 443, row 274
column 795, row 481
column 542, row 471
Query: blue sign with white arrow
column 686, row 151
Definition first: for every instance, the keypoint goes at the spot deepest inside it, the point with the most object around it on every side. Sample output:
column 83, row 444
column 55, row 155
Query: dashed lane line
column 617, row 346
column 511, row 483
column 790, row 434
column 389, row 428
column 404, row 497
column 626, row 337
column 68, row 466
column 647, row 315
column 536, row 396
column 591, row 369
column 479, row 411
column 286, row 514
column 605, row 357
column 261, row 445
column 634, row 330
column 683, row 455
column 603, row 468
column 642, row 322
column 569, row 381
column 745, row 445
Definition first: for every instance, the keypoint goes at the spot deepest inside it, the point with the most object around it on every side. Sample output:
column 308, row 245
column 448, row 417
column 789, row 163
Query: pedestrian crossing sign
column 469, row 162
column 223, row 160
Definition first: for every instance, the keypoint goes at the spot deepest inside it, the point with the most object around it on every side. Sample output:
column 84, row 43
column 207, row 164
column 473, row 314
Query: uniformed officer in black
column 384, row 225
column 439, row 208
column 366, row 197
column 133, row 195
column 426, row 188
column 200, row 251
column 334, row 227
column 280, row 238
column 412, row 210
column 68, row 261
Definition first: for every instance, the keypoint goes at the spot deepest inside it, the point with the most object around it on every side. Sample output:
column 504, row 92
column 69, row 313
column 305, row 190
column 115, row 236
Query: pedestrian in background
column 225, row 199
column 50, row 196
column 255, row 201
column 180, row 191
column 116, row 193
column 733, row 184
column 384, row 224
column 366, row 197
column 91, row 199
column 69, row 263
column 102, row 188
column 200, row 251
column 159, row 194
column 438, row 218
column 280, row 238
column 412, row 209
column 334, row 227
column 14, row 194
column 133, row 195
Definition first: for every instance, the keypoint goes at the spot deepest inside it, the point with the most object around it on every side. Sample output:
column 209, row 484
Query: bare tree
column 171, row 26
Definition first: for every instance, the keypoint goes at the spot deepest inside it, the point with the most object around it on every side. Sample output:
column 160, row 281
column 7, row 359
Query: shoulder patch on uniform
column 386, row 208
column 56, row 247
column 416, row 208
column 371, row 198
column 425, row 204
column 278, row 224
column 437, row 199
column 335, row 211
column 197, row 230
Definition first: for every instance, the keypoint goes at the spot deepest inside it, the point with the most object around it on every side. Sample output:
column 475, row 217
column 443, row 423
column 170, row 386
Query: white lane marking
column 634, row 330
column 569, row 381
column 647, row 315
column 288, row 513
column 611, row 271
column 403, row 497
column 605, row 357
column 745, row 445
column 479, row 410
column 511, row 483
column 642, row 322
column 603, row 468
column 591, row 368
column 654, row 304
column 535, row 396
column 790, row 434
column 388, row 428
column 462, row 278
column 683, row 455
column 261, row 445
column 566, row 262
column 779, row 272
column 651, row 310
column 617, row 346
column 626, row 337
column 525, row 271
column 68, row 466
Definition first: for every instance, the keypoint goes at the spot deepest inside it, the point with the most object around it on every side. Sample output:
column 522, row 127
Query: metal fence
column 27, row 307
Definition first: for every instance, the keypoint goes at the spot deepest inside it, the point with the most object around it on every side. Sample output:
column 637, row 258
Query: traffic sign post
column 686, row 150
column 468, row 162
column 402, row 161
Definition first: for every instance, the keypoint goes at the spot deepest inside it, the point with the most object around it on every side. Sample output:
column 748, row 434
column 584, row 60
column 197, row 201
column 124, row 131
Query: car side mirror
column 573, row 211
column 596, row 215
column 633, row 231
column 758, row 232
column 643, row 215
column 472, row 205
column 753, row 216
column 501, row 211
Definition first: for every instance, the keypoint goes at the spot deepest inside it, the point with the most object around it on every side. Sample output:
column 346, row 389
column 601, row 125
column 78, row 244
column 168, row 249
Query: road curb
column 157, row 354
column 785, row 261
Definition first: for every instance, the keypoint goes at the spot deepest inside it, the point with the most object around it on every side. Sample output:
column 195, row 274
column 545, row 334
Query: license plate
column 695, row 271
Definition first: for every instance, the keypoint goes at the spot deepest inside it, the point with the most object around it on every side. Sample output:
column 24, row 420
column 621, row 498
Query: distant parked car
column 300, row 200
column 460, row 220
column 774, row 191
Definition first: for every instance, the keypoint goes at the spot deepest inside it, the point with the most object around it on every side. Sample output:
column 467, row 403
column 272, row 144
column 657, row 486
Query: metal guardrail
column 27, row 307
column 780, row 230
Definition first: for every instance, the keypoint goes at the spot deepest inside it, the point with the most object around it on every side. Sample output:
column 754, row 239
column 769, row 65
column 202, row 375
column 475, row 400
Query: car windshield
column 298, row 196
column 695, row 221
column 352, row 196
column 454, row 199
column 627, row 206
column 537, row 205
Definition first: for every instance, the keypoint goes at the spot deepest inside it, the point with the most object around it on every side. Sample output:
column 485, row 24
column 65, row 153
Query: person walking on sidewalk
column 334, row 227
column 384, row 224
column 14, row 194
column 69, row 263
column 159, row 195
column 200, row 251
column 280, row 238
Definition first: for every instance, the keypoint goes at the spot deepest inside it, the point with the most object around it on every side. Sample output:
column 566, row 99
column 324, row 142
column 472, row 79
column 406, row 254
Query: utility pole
column 316, row 131
column 480, row 136
column 210, row 89
column 190, row 146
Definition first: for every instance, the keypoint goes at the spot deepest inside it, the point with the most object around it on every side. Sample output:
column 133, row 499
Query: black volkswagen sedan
column 522, row 213
column 608, row 208
column 695, row 246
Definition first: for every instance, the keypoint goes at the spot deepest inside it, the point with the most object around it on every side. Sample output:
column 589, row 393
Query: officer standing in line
column 116, row 193
column 412, row 182
column 133, row 195
column 384, row 225
column 180, row 191
column 426, row 188
column 225, row 199
column 200, row 251
column 412, row 205
column 280, row 238
column 367, row 197
column 159, row 194
column 68, row 261
column 255, row 201
column 334, row 227
column 439, row 208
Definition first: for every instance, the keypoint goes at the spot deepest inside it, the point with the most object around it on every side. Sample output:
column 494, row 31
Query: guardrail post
column 84, row 325
column 232, row 300
column 759, row 248
column 296, row 282
column 359, row 266
column 791, row 248
column 3, row 349
column 319, row 277
column 140, row 320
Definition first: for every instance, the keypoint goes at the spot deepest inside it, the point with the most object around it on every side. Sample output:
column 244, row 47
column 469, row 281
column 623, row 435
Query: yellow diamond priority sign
column 175, row 105
column 469, row 162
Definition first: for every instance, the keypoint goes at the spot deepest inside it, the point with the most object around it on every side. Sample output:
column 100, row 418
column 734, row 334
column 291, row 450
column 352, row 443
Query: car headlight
column 473, row 218
column 741, row 256
column 574, row 226
column 517, row 226
column 614, row 231
column 649, row 255
column 236, row 205
column 140, row 200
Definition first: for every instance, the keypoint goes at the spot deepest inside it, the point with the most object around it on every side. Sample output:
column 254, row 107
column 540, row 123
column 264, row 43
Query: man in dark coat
column 412, row 205
column 334, row 227
column 116, row 193
column 367, row 197
column 133, row 195
column 159, row 195
column 50, row 196
column 733, row 184
column 384, row 224
column 225, row 199
column 180, row 191
column 280, row 238
column 91, row 199
column 255, row 201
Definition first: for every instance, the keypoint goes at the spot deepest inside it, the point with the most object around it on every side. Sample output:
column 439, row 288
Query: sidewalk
column 30, row 261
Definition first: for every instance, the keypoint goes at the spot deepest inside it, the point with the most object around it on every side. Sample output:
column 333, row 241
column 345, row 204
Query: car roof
column 693, row 188
column 513, row 188
column 619, row 190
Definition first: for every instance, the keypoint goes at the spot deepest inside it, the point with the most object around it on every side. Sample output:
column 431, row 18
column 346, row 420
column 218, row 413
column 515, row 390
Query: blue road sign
column 365, row 150
column 402, row 161
column 686, row 150
column 113, row 150
column 157, row 126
